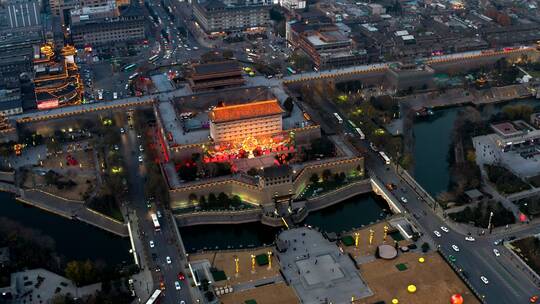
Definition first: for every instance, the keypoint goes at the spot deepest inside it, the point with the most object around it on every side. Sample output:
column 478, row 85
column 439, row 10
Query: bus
column 133, row 76
column 129, row 67
column 385, row 157
column 338, row 118
column 155, row 221
column 352, row 124
column 154, row 298
column 153, row 58
column 360, row 133
column 290, row 70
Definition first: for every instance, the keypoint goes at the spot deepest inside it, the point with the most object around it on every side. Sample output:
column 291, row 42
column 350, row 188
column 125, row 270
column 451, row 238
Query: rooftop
column 216, row 67
column 245, row 111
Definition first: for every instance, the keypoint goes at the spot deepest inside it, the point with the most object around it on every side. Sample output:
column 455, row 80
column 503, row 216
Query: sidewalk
column 142, row 281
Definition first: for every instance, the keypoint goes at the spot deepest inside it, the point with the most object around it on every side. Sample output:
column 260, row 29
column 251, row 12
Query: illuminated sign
column 48, row 104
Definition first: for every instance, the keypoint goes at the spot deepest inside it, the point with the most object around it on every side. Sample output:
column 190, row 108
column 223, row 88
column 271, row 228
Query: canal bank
column 432, row 142
column 74, row 240
column 352, row 213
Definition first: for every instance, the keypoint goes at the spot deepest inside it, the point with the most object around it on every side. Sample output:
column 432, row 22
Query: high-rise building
column 231, row 15
column 62, row 8
column 129, row 26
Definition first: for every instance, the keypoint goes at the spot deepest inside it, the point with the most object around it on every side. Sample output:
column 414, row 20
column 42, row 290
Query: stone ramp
column 73, row 210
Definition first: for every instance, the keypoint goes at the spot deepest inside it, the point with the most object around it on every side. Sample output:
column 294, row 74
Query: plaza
column 317, row 270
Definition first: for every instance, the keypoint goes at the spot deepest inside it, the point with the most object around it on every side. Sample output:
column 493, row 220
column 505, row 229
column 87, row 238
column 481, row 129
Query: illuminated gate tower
column 244, row 122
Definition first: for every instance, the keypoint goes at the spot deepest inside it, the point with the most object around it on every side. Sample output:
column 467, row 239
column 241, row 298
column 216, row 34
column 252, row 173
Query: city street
column 507, row 284
column 165, row 242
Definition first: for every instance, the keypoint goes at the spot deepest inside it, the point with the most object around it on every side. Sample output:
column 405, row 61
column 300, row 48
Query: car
column 158, row 269
column 445, row 229
column 498, row 242
column 469, row 238
column 437, row 233
column 140, row 158
column 122, row 130
column 188, row 49
column 148, row 204
column 182, row 302
column 151, row 244
column 456, row 248
column 158, row 213
column 195, row 48
column 185, row 45
column 177, row 285
column 452, row 258
column 115, row 95
column 162, row 285
column 181, row 276
column 141, row 148
column 168, row 259
column 484, row 279
column 533, row 299
column 496, row 252
column 116, row 147
column 403, row 199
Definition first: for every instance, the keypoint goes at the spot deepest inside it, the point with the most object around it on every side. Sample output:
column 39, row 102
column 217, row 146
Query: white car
column 141, row 148
column 168, row 259
column 140, row 158
column 158, row 213
column 484, row 279
column 188, row 49
column 496, row 252
column 445, row 229
column 437, row 233
column 403, row 199
column 195, row 48
column 456, row 248
column 177, row 285
column 469, row 238
column 151, row 244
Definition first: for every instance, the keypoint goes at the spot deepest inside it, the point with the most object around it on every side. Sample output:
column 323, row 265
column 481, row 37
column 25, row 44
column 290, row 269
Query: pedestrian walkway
column 72, row 210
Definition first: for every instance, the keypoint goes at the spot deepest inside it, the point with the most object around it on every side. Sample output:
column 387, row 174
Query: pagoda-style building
column 56, row 77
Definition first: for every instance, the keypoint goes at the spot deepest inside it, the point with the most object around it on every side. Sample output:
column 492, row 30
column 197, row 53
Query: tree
column 314, row 178
column 425, row 247
column 212, row 200
column 192, row 197
column 236, row 200
column 288, row 104
column 253, row 172
column 203, row 202
column 223, row 200
column 326, row 174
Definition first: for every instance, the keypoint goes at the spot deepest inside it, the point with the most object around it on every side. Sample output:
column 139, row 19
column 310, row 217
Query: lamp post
column 489, row 222
column 269, row 253
column 237, row 265
column 385, row 233
column 356, row 239
column 371, row 233
column 253, row 263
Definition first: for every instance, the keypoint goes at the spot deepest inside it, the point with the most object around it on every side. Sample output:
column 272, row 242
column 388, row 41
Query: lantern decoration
column 395, row 301
column 456, row 299
column 411, row 288
column 421, row 260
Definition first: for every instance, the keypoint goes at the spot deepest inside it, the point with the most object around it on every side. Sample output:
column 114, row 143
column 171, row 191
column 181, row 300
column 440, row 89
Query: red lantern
column 456, row 299
column 522, row 217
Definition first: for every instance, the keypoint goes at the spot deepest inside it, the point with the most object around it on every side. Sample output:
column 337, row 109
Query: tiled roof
column 245, row 111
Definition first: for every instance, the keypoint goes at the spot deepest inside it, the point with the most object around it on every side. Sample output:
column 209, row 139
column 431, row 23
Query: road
column 507, row 284
column 165, row 240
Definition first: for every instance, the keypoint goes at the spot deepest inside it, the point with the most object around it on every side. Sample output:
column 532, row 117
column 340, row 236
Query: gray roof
column 12, row 104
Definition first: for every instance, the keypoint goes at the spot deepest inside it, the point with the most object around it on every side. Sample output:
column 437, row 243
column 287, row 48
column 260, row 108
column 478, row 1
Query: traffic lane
column 474, row 262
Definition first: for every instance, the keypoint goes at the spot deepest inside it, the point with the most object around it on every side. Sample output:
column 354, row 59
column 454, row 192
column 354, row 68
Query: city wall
column 252, row 191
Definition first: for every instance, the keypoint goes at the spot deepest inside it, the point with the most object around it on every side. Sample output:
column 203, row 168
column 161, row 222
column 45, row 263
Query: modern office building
column 238, row 122
column 128, row 27
column 62, row 8
column 326, row 44
column 10, row 102
column 231, row 15
column 215, row 75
